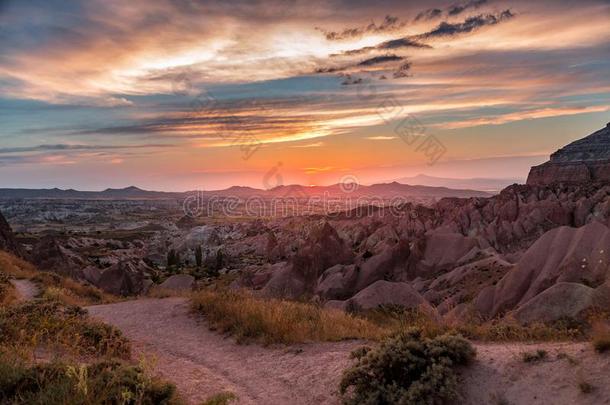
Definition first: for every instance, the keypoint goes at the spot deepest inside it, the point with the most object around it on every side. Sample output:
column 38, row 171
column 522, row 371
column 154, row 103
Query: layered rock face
column 7, row 239
column 585, row 160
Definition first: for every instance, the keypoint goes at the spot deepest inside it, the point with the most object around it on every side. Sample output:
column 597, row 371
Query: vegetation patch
column 601, row 337
column 395, row 319
column 52, row 324
column 7, row 291
column 52, row 285
column 407, row 369
column 103, row 382
column 268, row 321
column 534, row 357
column 224, row 398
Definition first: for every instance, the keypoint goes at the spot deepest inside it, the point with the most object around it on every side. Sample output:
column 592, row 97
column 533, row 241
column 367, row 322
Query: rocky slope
column 587, row 159
column 7, row 239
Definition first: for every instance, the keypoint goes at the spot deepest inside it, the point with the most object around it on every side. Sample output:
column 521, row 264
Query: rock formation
column 585, row 160
column 7, row 238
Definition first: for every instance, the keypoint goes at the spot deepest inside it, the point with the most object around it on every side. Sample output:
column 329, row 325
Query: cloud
column 460, row 8
column 71, row 147
column 380, row 59
column 429, row 14
column 446, row 29
column 380, row 138
column 389, row 24
column 524, row 115
column 309, row 145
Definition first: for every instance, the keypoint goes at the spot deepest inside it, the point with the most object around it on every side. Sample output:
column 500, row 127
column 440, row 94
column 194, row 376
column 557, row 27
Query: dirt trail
column 203, row 363
column 26, row 289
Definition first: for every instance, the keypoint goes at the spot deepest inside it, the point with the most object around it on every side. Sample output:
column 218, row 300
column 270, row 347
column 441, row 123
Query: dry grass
column 224, row 398
column 505, row 330
column 16, row 267
column 600, row 337
column 64, row 289
column 251, row 318
column 268, row 321
column 8, row 294
column 57, row 327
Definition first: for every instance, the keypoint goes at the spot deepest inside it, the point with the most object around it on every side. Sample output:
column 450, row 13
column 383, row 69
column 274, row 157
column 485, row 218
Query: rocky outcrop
column 585, row 160
column 179, row 282
column 563, row 255
column 8, row 242
column 126, row 278
column 384, row 293
column 49, row 255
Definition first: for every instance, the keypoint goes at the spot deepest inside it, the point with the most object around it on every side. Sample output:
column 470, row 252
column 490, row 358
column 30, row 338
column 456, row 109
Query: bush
column 52, row 324
column 407, row 369
column 105, row 382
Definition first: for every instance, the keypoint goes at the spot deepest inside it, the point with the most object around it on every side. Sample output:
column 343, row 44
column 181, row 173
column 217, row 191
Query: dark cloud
column 402, row 43
column 389, row 24
column 445, row 29
column 69, row 147
column 387, row 45
column 460, row 8
column 429, row 14
column 380, row 59
column 402, row 70
column 376, row 60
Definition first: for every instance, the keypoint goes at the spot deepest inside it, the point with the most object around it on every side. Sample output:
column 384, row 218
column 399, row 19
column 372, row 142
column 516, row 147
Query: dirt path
column 202, row 363
column 26, row 289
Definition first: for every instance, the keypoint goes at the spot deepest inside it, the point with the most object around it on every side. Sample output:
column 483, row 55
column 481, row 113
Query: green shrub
column 106, row 382
column 407, row 369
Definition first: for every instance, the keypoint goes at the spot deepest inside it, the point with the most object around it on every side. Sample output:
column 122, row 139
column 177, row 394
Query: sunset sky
column 194, row 94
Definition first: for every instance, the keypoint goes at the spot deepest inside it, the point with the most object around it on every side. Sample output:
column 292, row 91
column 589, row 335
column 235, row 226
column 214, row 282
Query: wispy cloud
column 380, row 138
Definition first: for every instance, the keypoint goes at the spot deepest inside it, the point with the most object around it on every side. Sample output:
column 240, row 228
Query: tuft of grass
column 600, row 337
column 407, row 369
column 8, row 295
column 269, row 321
column 54, row 325
column 534, row 357
column 102, row 382
column 223, row 398
column 585, row 387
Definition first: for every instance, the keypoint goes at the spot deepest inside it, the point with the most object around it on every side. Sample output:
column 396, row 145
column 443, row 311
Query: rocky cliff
column 585, row 160
column 7, row 239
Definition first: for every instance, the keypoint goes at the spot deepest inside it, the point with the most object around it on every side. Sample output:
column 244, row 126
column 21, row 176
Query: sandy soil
column 203, row 363
column 25, row 289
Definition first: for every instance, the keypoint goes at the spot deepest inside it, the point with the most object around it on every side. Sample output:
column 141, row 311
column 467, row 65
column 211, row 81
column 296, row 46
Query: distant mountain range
column 385, row 191
column 484, row 184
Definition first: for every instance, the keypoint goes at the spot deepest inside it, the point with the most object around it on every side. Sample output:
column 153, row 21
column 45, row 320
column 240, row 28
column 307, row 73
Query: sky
column 192, row 94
